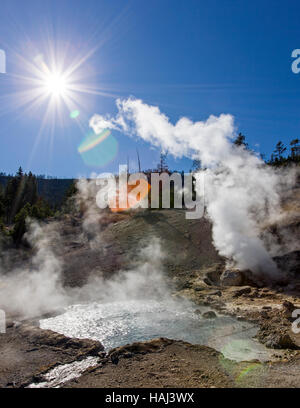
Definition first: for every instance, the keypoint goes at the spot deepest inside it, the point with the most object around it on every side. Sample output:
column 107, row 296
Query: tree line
column 19, row 200
column 281, row 156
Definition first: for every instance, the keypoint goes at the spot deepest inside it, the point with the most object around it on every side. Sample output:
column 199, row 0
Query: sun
column 56, row 85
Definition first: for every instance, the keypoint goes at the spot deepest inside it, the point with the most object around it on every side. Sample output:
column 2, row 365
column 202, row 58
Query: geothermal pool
column 119, row 323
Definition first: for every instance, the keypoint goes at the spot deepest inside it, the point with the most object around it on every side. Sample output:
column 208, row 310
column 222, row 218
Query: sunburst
column 54, row 84
column 54, row 87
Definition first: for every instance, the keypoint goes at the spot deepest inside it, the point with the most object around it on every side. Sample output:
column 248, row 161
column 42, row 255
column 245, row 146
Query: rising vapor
column 241, row 191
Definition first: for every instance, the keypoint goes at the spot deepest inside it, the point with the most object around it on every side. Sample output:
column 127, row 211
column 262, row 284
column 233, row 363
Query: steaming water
column 119, row 323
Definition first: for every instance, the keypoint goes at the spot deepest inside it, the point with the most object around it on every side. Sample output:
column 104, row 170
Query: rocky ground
column 194, row 270
column 26, row 352
column 168, row 363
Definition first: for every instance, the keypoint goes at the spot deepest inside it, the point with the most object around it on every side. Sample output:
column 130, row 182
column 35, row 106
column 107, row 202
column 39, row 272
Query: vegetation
column 19, row 199
column 69, row 201
column 241, row 141
column 26, row 195
column 279, row 158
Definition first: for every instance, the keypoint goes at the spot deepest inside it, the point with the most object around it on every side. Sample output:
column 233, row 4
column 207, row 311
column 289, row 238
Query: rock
column 150, row 346
column 49, row 338
column 253, row 294
column 288, row 306
column 198, row 312
column 214, row 275
column 231, row 278
column 114, row 358
column 128, row 355
column 209, row 315
column 215, row 293
column 207, row 281
column 280, row 341
column 186, row 285
column 287, row 309
column 243, row 290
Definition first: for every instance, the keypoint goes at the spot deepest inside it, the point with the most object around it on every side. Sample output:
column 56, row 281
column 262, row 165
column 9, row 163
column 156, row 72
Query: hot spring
column 123, row 322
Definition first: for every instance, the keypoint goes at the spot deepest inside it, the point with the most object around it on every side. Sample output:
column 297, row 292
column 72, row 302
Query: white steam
column 32, row 291
column 85, row 200
column 36, row 289
column 144, row 280
column 240, row 190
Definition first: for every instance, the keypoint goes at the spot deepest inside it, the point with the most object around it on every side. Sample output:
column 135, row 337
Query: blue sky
column 190, row 58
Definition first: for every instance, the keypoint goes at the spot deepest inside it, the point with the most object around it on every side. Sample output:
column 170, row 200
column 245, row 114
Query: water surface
column 119, row 323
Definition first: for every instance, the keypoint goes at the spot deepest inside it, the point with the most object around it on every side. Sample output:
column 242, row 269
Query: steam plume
column 241, row 191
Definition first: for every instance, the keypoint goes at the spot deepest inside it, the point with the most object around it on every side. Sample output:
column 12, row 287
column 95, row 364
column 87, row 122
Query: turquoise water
column 119, row 323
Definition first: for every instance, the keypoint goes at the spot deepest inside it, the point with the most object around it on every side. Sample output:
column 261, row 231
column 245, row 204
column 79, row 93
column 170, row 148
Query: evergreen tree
column 196, row 165
column 295, row 149
column 20, row 224
column 20, row 190
column 241, row 141
column 279, row 150
column 162, row 166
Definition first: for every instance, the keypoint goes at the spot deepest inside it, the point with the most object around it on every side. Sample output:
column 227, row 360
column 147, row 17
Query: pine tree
column 20, row 173
column 241, row 141
column 20, row 224
column 278, row 152
column 196, row 165
column 20, row 190
column 295, row 148
column 162, row 166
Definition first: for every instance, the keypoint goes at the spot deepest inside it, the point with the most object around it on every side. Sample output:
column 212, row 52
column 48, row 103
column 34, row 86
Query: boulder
column 280, row 341
column 231, row 278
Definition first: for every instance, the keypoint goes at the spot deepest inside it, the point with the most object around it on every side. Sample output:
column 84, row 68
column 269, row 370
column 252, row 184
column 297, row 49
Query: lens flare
column 241, row 373
column 93, row 140
column 98, row 150
column 249, row 369
column 74, row 114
